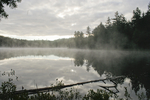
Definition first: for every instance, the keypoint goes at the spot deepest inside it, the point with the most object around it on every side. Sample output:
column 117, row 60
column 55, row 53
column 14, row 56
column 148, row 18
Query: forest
column 116, row 33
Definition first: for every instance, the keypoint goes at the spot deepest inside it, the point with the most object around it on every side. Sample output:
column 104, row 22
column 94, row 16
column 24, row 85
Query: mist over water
column 40, row 67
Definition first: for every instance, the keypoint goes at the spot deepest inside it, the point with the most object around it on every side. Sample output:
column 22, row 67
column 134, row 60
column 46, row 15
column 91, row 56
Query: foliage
column 117, row 33
column 134, row 65
column 127, row 95
column 9, row 42
column 141, row 96
column 99, row 94
column 7, row 92
column 11, row 3
column 79, row 39
column 59, row 95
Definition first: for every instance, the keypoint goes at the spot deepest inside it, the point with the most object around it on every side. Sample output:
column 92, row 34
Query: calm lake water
column 40, row 67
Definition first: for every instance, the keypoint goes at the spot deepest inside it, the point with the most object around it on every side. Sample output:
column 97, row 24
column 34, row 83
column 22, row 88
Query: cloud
column 63, row 17
column 33, row 73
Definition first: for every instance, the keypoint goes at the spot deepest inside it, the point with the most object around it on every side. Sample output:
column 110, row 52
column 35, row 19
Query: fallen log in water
column 46, row 89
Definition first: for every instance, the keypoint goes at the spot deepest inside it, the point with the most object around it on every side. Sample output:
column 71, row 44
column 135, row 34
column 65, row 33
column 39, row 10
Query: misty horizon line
column 36, row 38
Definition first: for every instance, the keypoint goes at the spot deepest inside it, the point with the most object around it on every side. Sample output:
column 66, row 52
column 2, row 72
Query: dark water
column 41, row 67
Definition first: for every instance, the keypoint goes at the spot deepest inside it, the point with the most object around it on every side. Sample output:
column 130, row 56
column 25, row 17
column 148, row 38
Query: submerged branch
column 46, row 89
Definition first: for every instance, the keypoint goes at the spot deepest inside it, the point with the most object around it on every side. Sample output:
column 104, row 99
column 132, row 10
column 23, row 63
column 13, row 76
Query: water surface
column 40, row 67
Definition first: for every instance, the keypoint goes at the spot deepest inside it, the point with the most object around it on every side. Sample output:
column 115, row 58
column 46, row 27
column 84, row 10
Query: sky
column 56, row 19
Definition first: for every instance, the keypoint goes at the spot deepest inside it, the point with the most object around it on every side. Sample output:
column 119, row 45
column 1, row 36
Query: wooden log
column 46, row 89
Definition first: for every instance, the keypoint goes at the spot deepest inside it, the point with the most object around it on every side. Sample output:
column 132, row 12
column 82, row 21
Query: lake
column 40, row 67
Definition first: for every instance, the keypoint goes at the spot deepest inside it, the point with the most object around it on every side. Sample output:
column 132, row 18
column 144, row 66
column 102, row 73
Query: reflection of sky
column 43, row 71
column 50, row 57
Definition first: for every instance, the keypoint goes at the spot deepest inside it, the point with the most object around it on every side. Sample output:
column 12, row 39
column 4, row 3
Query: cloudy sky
column 53, row 19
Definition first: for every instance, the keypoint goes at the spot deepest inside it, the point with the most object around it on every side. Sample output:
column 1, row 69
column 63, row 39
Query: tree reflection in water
column 135, row 66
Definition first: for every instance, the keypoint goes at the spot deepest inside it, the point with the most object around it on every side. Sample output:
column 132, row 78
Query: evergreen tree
column 88, row 31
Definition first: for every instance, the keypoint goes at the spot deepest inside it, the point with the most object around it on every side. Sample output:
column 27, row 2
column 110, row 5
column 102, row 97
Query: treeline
column 10, row 42
column 117, row 33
